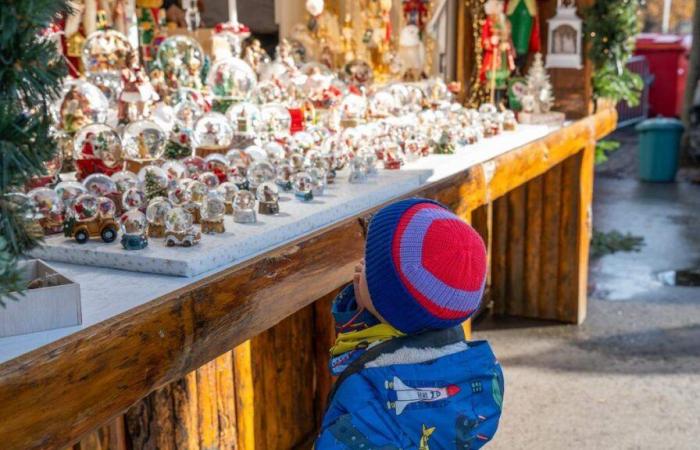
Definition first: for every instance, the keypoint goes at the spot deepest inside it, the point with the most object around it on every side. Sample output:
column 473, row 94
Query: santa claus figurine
column 525, row 29
column 498, row 57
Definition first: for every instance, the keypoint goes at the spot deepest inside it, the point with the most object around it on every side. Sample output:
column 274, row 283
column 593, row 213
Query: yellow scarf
column 354, row 339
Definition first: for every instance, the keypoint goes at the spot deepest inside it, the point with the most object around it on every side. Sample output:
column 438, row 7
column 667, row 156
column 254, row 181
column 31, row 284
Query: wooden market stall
column 237, row 357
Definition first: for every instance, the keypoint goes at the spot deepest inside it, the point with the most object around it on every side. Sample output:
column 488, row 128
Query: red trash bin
column 668, row 61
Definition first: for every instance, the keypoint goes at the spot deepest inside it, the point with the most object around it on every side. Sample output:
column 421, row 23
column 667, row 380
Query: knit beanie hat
column 425, row 267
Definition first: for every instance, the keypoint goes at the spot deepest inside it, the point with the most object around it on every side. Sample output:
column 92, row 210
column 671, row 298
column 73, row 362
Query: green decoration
column 30, row 81
column 611, row 27
column 153, row 188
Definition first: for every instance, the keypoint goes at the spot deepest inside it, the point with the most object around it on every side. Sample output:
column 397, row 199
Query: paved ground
column 629, row 377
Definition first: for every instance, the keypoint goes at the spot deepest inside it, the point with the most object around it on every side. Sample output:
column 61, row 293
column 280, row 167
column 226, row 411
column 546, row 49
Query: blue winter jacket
column 427, row 391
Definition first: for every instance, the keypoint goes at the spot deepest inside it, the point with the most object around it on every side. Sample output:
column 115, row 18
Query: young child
column 407, row 377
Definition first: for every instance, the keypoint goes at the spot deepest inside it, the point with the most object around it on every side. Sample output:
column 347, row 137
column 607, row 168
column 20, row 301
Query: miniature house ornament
column 564, row 39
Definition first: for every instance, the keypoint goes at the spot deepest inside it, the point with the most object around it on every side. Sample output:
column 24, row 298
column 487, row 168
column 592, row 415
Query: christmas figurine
column 155, row 214
column 268, row 199
column 499, row 59
column 133, row 224
column 179, row 229
column 525, row 29
column 244, row 207
column 213, row 210
column 538, row 99
column 137, row 91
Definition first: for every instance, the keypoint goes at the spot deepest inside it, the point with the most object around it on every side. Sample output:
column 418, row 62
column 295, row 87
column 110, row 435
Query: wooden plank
column 569, row 232
column 549, row 250
column 113, row 364
column 515, row 255
column 533, row 245
column 499, row 255
column 324, row 338
column 186, row 420
column 245, row 396
column 226, row 401
column 207, row 413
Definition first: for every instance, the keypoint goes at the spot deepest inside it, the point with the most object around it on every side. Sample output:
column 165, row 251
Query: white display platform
column 240, row 241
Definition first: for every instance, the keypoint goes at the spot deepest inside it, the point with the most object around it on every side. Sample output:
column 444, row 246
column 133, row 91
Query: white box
column 44, row 308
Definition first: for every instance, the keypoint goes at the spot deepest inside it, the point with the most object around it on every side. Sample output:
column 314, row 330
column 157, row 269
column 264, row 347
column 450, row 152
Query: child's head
column 424, row 267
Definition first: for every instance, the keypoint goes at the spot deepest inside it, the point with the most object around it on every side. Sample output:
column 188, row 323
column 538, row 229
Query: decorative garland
column 478, row 93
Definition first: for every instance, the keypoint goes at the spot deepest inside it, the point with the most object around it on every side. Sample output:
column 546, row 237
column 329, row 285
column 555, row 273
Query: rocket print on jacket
column 401, row 396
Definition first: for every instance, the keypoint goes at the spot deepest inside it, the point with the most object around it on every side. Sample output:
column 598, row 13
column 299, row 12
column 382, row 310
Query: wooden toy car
column 82, row 230
column 182, row 239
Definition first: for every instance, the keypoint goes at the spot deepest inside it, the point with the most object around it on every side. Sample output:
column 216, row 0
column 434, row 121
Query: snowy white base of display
column 240, row 241
column 550, row 118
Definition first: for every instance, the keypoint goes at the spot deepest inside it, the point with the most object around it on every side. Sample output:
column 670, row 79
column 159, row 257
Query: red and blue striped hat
column 425, row 267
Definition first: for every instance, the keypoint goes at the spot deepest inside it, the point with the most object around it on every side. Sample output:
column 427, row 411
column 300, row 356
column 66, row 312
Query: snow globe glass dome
column 414, row 99
column 231, row 79
column 209, row 179
column 436, row 92
column 267, row 91
column 357, row 72
column 106, row 207
column 194, row 166
column 98, row 141
column 244, row 117
column 181, row 58
column 144, row 140
column 275, row 120
column 178, row 221
column 255, row 153
column 268, row 198
column 174, row 169
column 48, row 203
column 244, row 207
column 303, row 186
column 125, row 180
column 186, row 113
column 198, row 190
column 85, row 207
column 213, row 132
column 218, row 164
column 179, row 194
column 229, row 190
column 69, row 191
column 81, row 103
column 213, row 207
column 155, row 174
column 259, row 173
column 100, row 184
column 284, row 175
column 275, row 152
column 134, row 198
column 236, row 157
column 383, row 104
column 353, row 109
column 105, row 52
column 133, row 223
column 155, row 215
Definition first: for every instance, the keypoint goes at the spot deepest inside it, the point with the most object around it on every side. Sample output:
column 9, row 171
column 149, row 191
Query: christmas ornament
column 91, row 217
column 268, row 198
column 49, row 209
column 564, row 37
column 179, row 229
column 133, row 225
column 303, row 186
column 244, row 207
column 156, row 212
column 143, row 142
column 213, row 210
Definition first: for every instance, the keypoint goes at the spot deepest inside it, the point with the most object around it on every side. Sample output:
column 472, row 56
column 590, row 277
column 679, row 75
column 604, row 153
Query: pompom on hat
column 425, row 267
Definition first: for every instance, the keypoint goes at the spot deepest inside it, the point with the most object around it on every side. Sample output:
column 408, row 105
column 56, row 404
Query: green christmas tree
column 31, row 71
column 153, row 188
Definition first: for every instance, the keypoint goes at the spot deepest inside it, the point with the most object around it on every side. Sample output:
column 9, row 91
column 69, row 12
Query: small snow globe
column 153, row 179
column 259, row 173
column 217, row 164
column 358, row 73
column 179, row 194
column 353, row 109
column 238, row 174
column 244, row 117
column 303, row 186
column 156, row 212
column 229, row 190
column 124, row 180
column 237, row 157
column 298, row 161
column 275, row 120
column 97, row 148
column 268, row 198
column 318, row 178
column 134, row 225
column 213, row 210
column 212, row 132
column 255, row 153
column 49, row 209
column 231, row 79
column 174, row 169
column 267, row 91
column 209, row 179
column 358, row 170
column 194, row 165
column 283, row 176
column 186, row 114
column 101, row 185
column 509, row 121
column 105, row 52
column 144, row 141
column 383, row 104
column 181, row 58
column 106, row 207
column 198, row 190
column 370, row 158
column 85, row 208
column 68, row 192
column 436, row 92
column 179, row 229
column 414, row 99
column 244, row 207
column 134, row 198
column 81, row 103
column 275, row 152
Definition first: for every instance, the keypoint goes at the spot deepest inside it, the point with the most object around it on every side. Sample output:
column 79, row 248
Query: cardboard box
column 42, row 308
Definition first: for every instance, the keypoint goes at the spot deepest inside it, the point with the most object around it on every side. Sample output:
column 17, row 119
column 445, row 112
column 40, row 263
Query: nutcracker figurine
column 499, row 60
column 525, row 29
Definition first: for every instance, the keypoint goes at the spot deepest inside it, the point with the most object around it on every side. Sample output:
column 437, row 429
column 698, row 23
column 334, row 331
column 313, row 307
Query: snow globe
column 318, row 178
column 237, row 157
column 283, row 176
column 303, row 187
column 68, row 192
column 353, row 110
column 174, row 169
column 154, row 181
column 181, row 58
column 179, row 194
column 217, row 164
column 143, row 142
column 275, row 120
column 133, row 224
column 179, row 229
column 105, row 52
column 268, row 198
column 358, row 170
column 156, row 212
column 212, row 133
column 209, row 179
column 213, row 210
column 49, row 209
column 229, row 190
column 238, row 174
column 81, row 103
column 255, row 153
column 230, row 80
column 194, row 165
column 259, row 173
column 383, row 104
column 244, row 207
column 198, row 192
column 101, row 185
column 124, row 180
column 275, row 152
column 133, row 198
column 244, row 117
column 97, row 148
